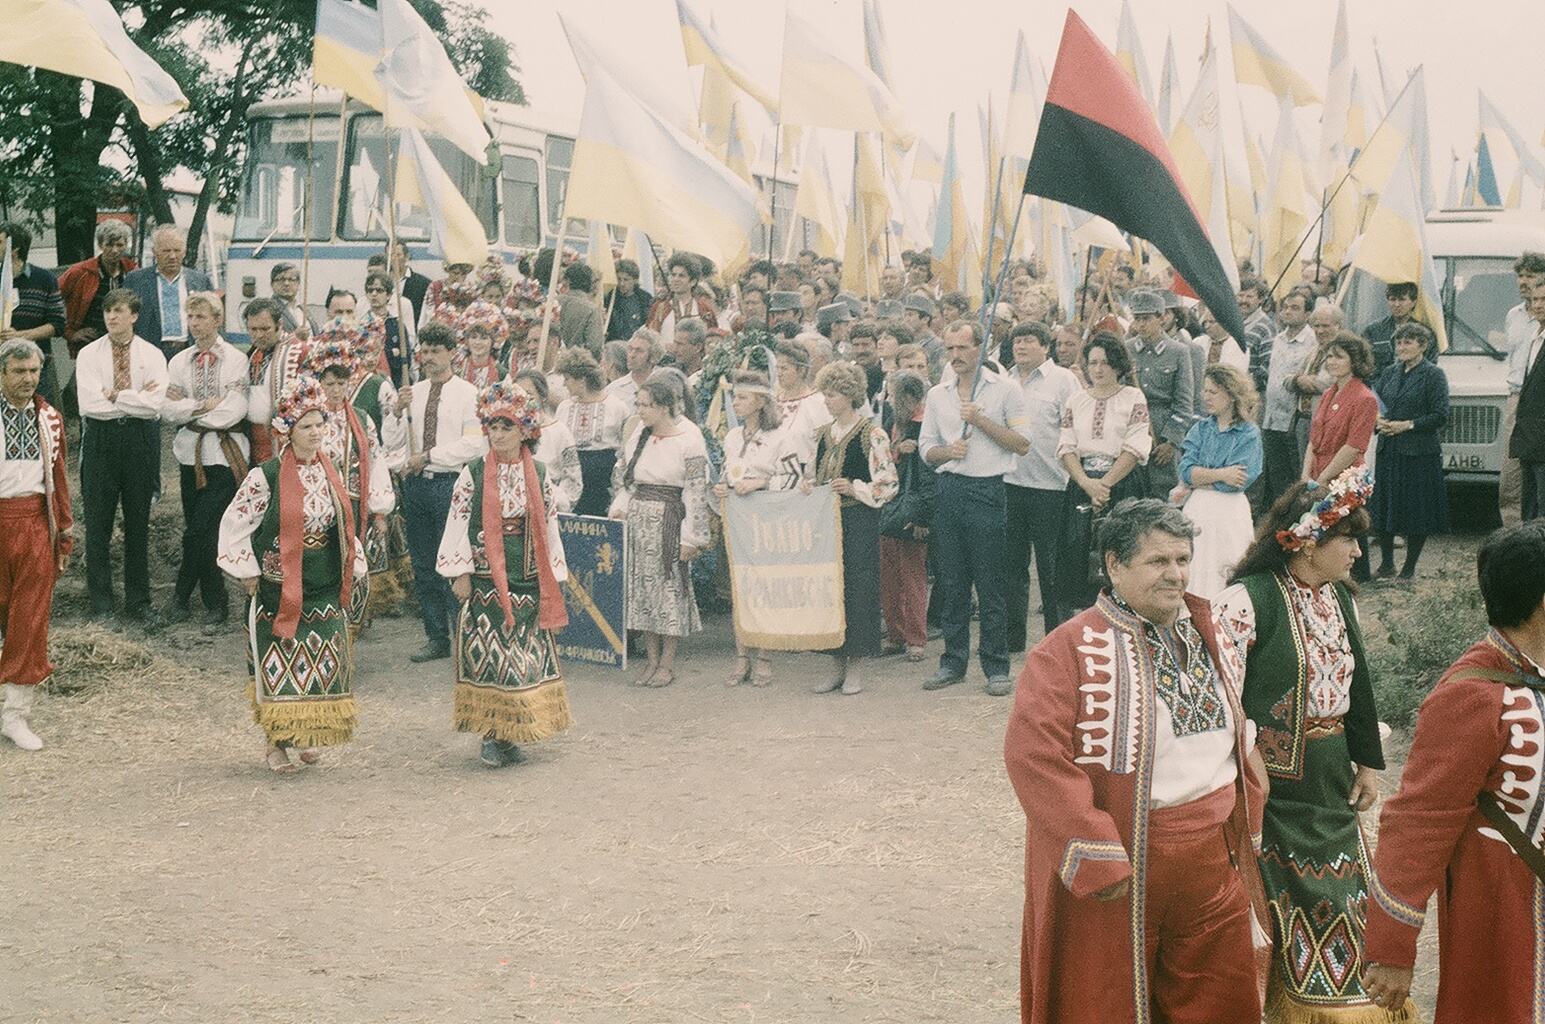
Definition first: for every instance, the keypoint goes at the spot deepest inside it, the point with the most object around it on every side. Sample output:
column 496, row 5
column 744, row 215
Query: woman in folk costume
column 1307, row 690
column 351, row 442
column 289, row 536
column 595, row 417
column 481, row 328
column 555, row 450
column 801, row 407
column 757, row 457
column 660, row 489
column 853, row 454
column 371, row 391
column 509, row 688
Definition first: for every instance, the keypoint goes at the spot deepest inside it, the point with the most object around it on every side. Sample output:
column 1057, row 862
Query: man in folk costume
column 1128, row 750
column 682, row 302
column 121, row 384
column 1467, row 822
column 352, row 444
column 35, row 538
column 509, row 688
column 275, row 359
column 444, row 435
column 289, row 536
column 206, row 396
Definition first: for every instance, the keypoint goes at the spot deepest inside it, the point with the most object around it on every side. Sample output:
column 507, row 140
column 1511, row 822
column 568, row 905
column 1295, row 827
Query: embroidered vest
column 520, row 569
column 323, row 567
column 1276, row 696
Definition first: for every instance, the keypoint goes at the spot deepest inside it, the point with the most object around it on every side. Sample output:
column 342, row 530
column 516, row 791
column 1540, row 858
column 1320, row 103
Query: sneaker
column 941, row 678
column 999, row 686
column 431, row 651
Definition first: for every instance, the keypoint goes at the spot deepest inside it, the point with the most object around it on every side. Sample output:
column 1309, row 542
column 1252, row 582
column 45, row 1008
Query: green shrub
column 1424, row 630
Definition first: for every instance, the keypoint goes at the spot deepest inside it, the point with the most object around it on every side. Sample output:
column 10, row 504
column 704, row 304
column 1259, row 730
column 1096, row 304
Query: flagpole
column 391, row 254
column 992, row 236
column 772, row 229
column 976, row 375
column 552, row 282
column 305, row 202
column 1319, row 243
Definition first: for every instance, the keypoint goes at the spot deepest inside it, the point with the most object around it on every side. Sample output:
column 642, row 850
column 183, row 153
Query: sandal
column 311, row 755
column 661, row 677
column 648, row 674
column 914, row 654
column 742, row 670
column 764, row 671
column 891, row 647
column 279, row 762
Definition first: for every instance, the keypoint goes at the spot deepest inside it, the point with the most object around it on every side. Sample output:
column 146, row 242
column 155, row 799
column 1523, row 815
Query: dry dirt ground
column 695, row 853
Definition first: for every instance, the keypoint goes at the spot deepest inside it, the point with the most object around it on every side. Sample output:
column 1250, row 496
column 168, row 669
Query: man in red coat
column 1480, row 737
column 85, row 284
column 35, row 537
column 1128, row 749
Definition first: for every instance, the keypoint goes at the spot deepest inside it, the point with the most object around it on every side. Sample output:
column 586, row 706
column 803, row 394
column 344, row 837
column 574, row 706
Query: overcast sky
column 949, row 56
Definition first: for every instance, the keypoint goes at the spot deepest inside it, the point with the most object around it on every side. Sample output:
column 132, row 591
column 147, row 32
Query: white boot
column 13, row 717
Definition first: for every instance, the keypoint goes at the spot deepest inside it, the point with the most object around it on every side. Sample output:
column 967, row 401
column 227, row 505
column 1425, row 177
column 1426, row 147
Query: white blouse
column 1326, row 645
column 597, row 424
column 802, row 417
column 558, row 454
column 245, row 514
column 335, row 442
column 455, row 555
column 768, row 455
column 1106, row 426
column 678, row 460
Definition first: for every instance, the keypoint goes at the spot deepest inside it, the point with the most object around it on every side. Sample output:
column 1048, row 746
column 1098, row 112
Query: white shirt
column 231, row 369
column 458, row 432
column 625, row 390
column 146, row 393
column 1288, row 356
column 595, row 425
column 1522, row 350
column 182, row 305
column 1000, row 400
column 1046, row 389
column 283, row 365
column 1187, row 768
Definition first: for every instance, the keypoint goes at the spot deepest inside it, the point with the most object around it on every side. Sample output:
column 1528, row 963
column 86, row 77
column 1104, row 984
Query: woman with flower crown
column 509, row 688
column 289, row 535
column 1308, row 693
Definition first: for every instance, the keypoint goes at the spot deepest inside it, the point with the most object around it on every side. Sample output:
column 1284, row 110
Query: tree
column 71, row 147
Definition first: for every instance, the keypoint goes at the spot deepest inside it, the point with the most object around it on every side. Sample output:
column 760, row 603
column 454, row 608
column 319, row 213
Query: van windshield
column 1484, row 289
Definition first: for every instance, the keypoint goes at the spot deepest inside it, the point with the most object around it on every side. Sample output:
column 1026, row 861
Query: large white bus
column 336, row 153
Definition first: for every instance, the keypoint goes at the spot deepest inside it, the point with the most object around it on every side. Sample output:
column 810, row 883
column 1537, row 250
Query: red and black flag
column 1100, row 149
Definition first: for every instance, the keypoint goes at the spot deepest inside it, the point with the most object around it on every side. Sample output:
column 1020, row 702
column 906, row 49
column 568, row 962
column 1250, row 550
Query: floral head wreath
column 522, row 320
column 484, row 316
column 301, row 395
column 527, row 291
column 492, row 272
column 1347, row 493
column 502, row 400
column 461, row 293
column 372, row 333
column 336, row 344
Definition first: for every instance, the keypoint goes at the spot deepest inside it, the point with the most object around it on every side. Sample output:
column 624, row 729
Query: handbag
column 907, row 509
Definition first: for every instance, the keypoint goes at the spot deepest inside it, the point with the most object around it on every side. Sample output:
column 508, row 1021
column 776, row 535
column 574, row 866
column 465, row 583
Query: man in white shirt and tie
column 444, row 435
column 122, row 384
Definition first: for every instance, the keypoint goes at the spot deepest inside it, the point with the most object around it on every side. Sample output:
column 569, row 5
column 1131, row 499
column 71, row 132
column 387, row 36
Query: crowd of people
column 1196, row 506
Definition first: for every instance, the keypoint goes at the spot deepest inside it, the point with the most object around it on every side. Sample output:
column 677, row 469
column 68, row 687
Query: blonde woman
column 1221, row 456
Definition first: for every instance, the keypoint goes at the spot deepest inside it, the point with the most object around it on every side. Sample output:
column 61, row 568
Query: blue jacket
column 1419, row 395
column 143, row 283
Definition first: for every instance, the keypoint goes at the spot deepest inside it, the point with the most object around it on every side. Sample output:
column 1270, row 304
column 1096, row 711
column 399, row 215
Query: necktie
column 121, row 380
column 432, row 416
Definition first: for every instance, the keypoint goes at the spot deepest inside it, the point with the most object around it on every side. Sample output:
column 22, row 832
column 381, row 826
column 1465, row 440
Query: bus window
column 560, row 157
column 277, row 176
column 365, row 216
column 521, row 202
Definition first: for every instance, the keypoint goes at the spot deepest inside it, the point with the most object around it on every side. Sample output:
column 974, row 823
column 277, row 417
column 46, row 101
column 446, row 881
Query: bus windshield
column 278, row 174
column 365, row 216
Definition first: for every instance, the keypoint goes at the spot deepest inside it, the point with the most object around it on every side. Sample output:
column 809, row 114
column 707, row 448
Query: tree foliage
column 69, row 148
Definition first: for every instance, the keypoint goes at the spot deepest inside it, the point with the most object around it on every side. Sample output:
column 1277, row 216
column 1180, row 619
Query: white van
column 1474, row 250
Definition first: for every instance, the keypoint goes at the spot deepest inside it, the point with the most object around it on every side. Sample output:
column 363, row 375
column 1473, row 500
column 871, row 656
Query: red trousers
column 1201, row 962
column 27, row 574
column 904, row 590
